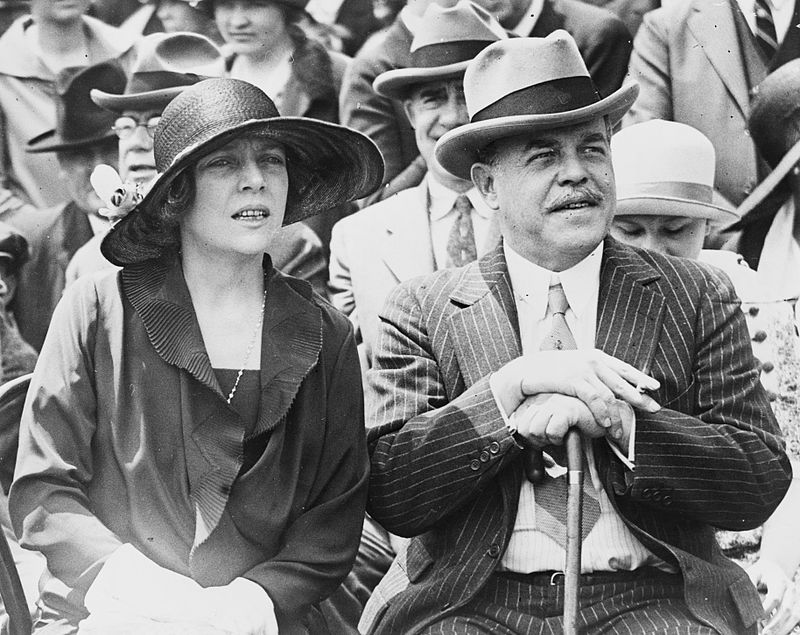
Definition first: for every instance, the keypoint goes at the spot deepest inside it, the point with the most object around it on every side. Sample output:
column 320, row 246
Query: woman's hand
column 241, row 607
column 781, row 602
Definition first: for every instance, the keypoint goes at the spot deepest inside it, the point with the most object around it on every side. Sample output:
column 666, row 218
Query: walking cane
column 572, row 568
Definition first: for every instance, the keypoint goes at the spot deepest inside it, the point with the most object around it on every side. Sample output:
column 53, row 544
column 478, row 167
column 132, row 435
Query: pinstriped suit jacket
column 446, row 471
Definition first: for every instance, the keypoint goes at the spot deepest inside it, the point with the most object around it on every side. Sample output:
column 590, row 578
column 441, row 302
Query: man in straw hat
column 602, row 38
column 481, row 369
column 665, row 173
column 442, row 222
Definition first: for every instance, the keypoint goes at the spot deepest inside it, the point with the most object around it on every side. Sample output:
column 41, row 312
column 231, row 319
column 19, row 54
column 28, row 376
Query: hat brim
column 152, row 100
column 674, row 206
column 328, row 164
column 458, row 149
column 50, row 141
column 772, row 180
column 396, row 83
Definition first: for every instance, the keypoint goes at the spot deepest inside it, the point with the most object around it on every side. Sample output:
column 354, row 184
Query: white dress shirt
column 610, row 545
column 442, row 217
column 782, row 11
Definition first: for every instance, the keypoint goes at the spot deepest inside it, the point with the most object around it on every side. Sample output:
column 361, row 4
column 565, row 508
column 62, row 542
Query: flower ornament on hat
column 522, row 85
column 165, row 64
column 774, row 125
column 327, row 164
column 79, row 121
column 447, row 39
column 666, row 168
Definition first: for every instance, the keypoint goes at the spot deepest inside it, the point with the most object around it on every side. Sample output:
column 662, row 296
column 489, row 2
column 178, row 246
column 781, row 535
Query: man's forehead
column 141, row 114
column 588, row 130
column 438, row 85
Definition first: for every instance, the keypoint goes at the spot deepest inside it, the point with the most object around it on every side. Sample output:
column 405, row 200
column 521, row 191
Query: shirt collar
column 528, row 21
column 531, row 282
column 441, row 200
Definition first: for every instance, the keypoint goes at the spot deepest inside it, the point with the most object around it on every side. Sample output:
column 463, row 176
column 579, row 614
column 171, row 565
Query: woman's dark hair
column 164, row 222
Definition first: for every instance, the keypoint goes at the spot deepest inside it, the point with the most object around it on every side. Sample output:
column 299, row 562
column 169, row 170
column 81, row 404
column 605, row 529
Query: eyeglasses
column 125, row 126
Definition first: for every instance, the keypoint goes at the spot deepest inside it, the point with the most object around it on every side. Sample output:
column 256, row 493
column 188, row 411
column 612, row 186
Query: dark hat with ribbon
column 447, row 39
column 774, row 126
column 522, row 85
column 165, row 64
column 79, row 122
column 328, row 164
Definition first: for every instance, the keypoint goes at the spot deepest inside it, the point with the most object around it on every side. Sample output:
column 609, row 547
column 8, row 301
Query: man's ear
column 483, row 178
column 409, row 110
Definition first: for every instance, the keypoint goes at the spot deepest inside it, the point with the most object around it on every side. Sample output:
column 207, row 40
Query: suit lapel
column 485, row 331
column 629, row 313
column 407, row 227
column 713, row 26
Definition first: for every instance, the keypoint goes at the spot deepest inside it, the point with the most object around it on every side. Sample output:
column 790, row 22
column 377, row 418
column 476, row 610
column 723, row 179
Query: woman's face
column 671, row 235
column 249, row 27
column 240, row 198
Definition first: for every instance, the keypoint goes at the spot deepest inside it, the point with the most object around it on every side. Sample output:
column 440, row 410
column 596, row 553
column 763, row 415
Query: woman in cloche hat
column 192, row 454
column 665, row 202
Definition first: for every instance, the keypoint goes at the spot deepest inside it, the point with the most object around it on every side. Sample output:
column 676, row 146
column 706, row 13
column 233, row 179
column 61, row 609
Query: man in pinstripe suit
column 462, row 391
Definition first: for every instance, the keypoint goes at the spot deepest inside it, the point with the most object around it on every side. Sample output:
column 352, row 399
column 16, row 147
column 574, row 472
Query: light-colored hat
column 447, row 39
column 665, row 168
column 166, row 63
column 520, row 85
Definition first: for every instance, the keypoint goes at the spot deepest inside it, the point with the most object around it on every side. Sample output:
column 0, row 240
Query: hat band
column 445, row 53
column 146, row 81
column 668, row 189
column 547, row 98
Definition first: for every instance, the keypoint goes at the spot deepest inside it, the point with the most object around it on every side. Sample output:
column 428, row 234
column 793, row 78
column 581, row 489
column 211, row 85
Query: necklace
column 249, row 348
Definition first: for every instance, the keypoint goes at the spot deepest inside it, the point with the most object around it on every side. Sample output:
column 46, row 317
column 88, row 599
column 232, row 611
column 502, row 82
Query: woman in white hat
column 192, row 455
column 665, row 202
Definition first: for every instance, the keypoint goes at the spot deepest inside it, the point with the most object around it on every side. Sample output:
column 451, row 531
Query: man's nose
column 453, row 113
column 572, row 169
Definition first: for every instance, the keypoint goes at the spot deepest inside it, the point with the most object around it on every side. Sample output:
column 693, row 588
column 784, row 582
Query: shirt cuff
column 512, row 429
column 630, row 460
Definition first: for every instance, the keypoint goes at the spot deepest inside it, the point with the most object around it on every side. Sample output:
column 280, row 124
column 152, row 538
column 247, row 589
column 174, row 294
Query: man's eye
column 630, row 231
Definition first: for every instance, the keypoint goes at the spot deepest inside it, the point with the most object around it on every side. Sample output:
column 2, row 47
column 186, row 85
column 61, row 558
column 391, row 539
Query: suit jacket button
column 494, row 447
column 475, row 465
column 667, row 500
column 485, row 457
column 759, row 336
column 767, row 367
column 658, row 496
column 493, row 551
column 647, row 492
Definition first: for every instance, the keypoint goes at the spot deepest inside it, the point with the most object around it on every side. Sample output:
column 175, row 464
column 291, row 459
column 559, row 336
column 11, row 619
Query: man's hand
column 592, row 376
column 544, row 419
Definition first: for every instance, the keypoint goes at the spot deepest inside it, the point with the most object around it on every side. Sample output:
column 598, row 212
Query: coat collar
column 291, row 333
column 291, row 343
column 407, row 228
column 712, row 25
column 629, row 312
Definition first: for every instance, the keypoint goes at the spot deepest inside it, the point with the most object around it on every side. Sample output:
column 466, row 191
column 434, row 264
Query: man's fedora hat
column 521, row 85
column 328, row 164
column 79, row 122
column 666, row 168
column 446, row 40
column 774, row 126
column 165, row 64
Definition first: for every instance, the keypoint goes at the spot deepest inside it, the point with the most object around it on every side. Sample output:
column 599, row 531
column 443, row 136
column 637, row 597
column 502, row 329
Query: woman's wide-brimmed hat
column 774, row 126
column 165, row 64
column 521, row 85
column 328, row 164
column 445, row 42
column 80, row 123
column 666, row 168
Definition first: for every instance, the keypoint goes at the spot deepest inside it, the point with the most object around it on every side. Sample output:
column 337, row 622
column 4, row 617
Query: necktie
column 551, row 494
column 766, row 37
column 461, row 241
